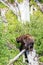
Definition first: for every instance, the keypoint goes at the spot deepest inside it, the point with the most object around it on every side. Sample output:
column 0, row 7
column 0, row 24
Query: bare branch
column 15, row 58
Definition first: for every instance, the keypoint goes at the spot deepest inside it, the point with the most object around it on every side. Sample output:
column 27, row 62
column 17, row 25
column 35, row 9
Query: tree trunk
column 24, row 11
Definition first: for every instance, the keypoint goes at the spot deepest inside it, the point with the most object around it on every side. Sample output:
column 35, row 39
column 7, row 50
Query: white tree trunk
column 24, row 11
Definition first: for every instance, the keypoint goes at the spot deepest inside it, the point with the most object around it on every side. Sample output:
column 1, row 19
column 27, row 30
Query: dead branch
column 15, row 58
column 10, row 7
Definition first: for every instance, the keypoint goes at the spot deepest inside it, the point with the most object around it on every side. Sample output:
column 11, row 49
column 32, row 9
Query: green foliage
column 5, row 52
column 41, row 59
column 20, row 1
column 11, row 1
column 2, row 6
column 37, row 31
column 32, row 2
column 41, row 1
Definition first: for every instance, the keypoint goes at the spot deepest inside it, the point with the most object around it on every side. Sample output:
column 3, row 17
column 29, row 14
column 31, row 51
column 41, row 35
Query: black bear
column 27, row 42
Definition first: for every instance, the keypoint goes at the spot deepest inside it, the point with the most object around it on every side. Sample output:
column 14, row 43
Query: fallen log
column 32, row 57
column 15, row 58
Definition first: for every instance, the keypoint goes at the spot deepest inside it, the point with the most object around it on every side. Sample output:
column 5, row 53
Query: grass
column 7, row 53
column 41, row 59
